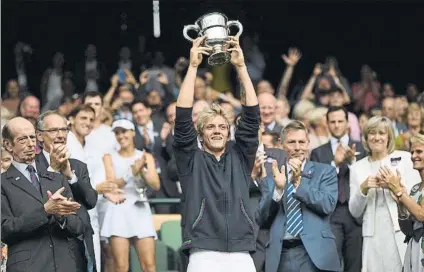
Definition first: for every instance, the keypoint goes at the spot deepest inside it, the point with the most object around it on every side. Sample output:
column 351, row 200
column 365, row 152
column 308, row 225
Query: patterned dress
column 414, row 257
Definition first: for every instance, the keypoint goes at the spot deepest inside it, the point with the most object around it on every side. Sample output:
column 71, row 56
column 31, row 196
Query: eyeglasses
column 55, row 131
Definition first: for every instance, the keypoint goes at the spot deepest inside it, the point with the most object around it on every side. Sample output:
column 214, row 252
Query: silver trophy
column 141, row 187
column 216, row 27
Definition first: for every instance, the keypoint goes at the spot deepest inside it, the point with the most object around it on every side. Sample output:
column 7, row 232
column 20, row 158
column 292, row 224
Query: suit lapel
column 328, row 152
column 20, row 181
column 45, row 177
column 41, row 162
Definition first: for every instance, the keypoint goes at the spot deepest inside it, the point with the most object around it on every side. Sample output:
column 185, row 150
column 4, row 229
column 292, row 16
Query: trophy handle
column 187, row 28
column 237, row 24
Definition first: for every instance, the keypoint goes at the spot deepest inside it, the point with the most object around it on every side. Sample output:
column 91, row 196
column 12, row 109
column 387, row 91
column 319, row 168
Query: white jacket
column 365, row 206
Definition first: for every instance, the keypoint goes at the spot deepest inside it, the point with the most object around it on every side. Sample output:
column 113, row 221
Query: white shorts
column 212, row 261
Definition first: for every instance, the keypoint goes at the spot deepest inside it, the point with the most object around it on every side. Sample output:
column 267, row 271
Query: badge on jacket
column 395, row 161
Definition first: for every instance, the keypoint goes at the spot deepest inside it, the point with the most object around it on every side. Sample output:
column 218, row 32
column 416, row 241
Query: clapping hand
column 59, row 160
column 60, row 205
column 370, row 182
column 259, row 170
column 138, row 165
column 296, row 171
column 279, row 176
column 165, row 131
column 344, row 153
column 115, row 197
column 391, row 179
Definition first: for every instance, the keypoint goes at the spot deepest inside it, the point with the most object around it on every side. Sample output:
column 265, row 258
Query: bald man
column 268, row 106
column 38, row 227
column 29, row 107
column 388, row 110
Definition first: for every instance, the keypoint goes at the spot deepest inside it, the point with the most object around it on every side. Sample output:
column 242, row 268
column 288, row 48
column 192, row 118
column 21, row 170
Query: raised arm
column 247, row 129
column 186, row 95
column 291, row 61
column 247, row 96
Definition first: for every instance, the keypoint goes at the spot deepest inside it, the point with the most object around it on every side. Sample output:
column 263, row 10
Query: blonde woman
column 371, row 200
column 411, row 206
column 130, row 222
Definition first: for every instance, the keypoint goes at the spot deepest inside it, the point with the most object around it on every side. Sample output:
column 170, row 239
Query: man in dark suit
column 147, row 136
column 37, row 226
column 298, row 203
column 52, row 133
column 341, row 152
column 268, row 105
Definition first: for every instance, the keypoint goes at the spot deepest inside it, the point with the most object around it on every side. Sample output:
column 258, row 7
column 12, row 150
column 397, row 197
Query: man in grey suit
column 36, row 225
column 341, row 152
column 298, row 203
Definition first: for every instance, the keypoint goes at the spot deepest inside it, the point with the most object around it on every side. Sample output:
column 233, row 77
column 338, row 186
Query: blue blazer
column 318, row 194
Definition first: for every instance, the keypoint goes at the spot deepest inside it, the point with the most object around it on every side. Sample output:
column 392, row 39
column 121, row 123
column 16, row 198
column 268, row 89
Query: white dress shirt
column 344, row 141
column 76, row 148
column 150, row 131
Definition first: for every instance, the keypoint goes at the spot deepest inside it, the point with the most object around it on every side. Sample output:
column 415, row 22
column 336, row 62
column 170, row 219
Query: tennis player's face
column 215, row 134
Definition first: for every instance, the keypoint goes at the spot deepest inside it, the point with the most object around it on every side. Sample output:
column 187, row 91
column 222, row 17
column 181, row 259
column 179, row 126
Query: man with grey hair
column 39, row 227
column 52, row 132
column 297, row 203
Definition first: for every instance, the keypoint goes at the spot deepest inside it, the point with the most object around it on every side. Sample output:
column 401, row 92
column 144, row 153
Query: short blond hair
column 375, row 123
column 292, row 125
column 315, row 115
column 210, row 112
column 301, row 108
column 417, row 139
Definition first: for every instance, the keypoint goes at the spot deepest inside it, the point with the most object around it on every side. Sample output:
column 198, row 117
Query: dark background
column 387, row 36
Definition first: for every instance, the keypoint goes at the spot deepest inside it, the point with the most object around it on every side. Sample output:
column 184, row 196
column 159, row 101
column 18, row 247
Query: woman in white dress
column 370, row 199
column 130, row 222
column 411, row 207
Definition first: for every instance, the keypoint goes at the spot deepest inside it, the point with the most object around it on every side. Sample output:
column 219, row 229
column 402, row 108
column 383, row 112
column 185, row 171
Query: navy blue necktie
column 34, row 180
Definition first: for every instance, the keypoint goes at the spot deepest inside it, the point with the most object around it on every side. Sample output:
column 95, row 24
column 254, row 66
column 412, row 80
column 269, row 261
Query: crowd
column 321, row 177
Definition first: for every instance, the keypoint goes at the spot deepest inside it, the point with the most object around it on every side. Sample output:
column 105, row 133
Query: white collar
column 344, row 140
column 47, row 156
column 271, row 125
column 149, row 125
column 22, row 167
column 289, row 170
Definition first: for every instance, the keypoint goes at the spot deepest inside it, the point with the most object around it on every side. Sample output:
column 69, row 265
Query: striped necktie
column 34, row 180
column 294, row 213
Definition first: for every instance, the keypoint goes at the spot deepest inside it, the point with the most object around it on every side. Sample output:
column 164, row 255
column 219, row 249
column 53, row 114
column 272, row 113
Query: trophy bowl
column 216, row 27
